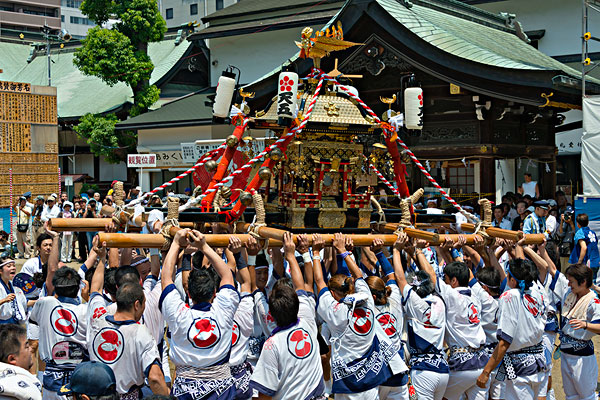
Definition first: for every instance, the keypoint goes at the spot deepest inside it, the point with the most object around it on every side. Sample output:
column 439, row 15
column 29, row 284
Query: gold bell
column 211, row 165
column 246, row 199
column 225, row 191
column 264, row 173
column 276, row 154
column 231, row 141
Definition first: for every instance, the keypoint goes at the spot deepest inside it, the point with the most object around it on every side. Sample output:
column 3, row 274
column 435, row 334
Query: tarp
column 591, row 207
column 590, row 146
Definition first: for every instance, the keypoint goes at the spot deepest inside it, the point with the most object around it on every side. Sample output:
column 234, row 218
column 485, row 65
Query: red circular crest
column 235, row 337
column 204, row 333
column 63, row 321
column 108, row 345
column 361, row 321
column 388, row 323
column 300, row 344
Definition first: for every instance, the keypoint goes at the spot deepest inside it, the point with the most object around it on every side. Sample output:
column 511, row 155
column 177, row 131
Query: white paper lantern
column 413, row 108
column 287, row 95
column 225, row 89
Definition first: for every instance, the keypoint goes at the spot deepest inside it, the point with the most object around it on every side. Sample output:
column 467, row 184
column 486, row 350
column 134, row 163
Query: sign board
column 170, row 158
column 141, row 160
column 191, row 152
column 68, row 181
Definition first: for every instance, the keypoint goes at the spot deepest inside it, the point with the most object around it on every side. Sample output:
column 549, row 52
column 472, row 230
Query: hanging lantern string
column 382, row 178
column 192, row 201
column 388, row 129
column 215, row 153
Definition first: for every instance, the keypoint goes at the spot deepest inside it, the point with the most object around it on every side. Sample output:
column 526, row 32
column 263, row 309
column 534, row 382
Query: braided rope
column 382, row 178
column 292, row 132
column 216, row 153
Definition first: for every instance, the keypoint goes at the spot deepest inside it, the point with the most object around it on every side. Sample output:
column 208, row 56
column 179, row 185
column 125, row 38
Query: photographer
column 566, row 230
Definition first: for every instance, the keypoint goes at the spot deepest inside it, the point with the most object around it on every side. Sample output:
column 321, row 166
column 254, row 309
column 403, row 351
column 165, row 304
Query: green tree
column 118, row 55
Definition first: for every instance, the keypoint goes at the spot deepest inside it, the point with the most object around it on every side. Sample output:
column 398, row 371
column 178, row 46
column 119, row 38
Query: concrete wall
column 255, row 55
column 181, row 10
column 560, row 18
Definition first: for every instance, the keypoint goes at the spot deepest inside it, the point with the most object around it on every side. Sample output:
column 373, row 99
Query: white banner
column 141, row 160
column 590, row 145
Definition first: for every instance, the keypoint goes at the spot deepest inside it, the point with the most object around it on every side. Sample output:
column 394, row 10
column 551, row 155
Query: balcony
column 34, row 21
column 38, row 3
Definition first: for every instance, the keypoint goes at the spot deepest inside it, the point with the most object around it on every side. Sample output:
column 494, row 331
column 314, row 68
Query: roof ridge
column 467, row 12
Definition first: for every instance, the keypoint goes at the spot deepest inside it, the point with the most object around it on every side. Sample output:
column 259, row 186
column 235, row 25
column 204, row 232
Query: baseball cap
column 530, row 209
column 91, row 378
column 27, row 195
column 51, row 198
column 138, row 188
column 39, row 197
column 113, row 183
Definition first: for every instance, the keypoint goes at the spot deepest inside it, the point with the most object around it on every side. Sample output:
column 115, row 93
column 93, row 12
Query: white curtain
column 590, row 146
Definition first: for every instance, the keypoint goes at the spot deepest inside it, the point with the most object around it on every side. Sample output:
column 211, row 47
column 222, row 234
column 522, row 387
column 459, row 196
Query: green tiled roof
column 78, row 94
column 259, row 15
column 462, row 37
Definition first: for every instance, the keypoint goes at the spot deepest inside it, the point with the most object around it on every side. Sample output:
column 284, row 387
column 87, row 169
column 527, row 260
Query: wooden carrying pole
column 152, row 241
column 530, row 238
column 359, row 240
column 96, row 225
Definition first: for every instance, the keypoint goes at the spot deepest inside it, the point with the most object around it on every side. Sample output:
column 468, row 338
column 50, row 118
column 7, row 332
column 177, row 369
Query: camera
column 568, row 214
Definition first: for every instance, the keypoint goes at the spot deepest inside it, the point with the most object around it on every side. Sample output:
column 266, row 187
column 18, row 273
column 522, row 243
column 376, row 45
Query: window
column 460, row 178
column 219, row 4
column 169, row 13
column 193, row 9
column 81, row 21
column 71, row 3
column 62, row 18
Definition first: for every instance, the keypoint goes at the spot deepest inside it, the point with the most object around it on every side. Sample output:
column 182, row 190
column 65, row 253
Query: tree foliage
column 119, row 55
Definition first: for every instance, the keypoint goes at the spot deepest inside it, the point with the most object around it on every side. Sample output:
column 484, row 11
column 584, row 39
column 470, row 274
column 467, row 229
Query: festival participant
column 243, row 320
column 201, row 336
column 67, row 236
column 23, row 235
column 119, row 341
column 586, row 246
column 362, row 356
column 37, row 226
column 16, row 358
column 289, row 366
column 425, row 314
column 580, row 321
column 34, row 265
column 390, row 316
column 521, row 322
column 13, row 304
column 517, row 224
column 464, row 334
column 62, row 324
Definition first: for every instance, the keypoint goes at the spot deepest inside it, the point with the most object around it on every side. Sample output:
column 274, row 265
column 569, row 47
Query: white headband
column 7, row 262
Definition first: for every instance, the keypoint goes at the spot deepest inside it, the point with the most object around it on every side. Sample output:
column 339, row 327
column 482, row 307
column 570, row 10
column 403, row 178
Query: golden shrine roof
column 330, row 108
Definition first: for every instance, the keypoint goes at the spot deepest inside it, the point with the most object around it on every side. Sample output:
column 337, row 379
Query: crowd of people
column 304, row 321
